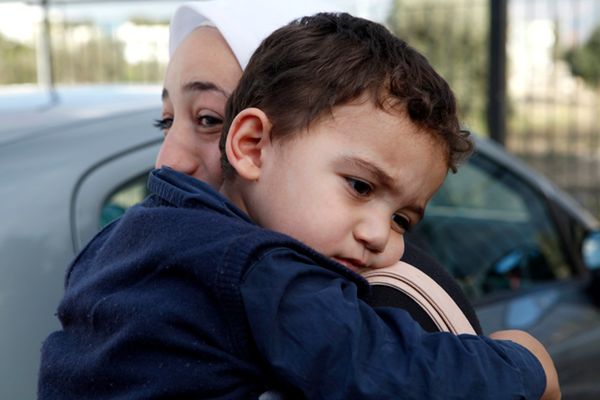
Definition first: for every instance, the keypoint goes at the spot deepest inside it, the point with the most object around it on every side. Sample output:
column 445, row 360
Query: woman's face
column 200, row 77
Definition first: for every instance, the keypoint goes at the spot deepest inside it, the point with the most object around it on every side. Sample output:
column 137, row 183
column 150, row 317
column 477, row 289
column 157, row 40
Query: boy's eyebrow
column 384, row 179
column 198, row 86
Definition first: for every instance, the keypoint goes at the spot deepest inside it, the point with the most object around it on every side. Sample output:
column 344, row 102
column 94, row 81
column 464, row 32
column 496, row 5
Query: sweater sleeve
column 319, row 337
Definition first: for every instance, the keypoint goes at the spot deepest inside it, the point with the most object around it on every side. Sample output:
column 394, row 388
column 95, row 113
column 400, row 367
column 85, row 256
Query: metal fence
column 70, row 41
column 541, row 97
column 554, row 93
column 552, row 76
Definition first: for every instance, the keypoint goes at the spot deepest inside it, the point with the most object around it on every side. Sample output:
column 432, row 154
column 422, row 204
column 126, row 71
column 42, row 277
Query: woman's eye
column 361, row 188
column 400, row 223
column 208, row 121
column 163, row 124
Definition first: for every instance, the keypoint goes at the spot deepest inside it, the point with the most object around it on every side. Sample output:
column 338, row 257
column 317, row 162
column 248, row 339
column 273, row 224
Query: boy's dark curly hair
column 303, row 70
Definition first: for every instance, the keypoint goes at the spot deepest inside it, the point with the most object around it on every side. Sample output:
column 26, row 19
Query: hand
column 552, row 391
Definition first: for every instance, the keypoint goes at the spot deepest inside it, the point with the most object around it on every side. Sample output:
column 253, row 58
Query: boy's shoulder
column 184, row 218
column 186, row 225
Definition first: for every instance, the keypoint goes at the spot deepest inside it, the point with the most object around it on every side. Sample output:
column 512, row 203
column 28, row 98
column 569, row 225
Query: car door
column 107, row 190
column 510, row 246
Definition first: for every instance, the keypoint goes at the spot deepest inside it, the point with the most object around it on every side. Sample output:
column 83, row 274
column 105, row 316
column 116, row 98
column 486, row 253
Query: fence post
column 496, row 108
column 45, row 73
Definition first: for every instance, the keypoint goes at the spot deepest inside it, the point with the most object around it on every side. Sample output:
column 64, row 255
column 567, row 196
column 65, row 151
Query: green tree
column 17, row 62
column 452, row 34
column 97, row 60
column 144, row 20
column 584, row 60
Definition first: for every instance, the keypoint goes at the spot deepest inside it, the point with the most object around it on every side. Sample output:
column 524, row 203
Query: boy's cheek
column 390, row 256
column 400, row 250
column 403, row 247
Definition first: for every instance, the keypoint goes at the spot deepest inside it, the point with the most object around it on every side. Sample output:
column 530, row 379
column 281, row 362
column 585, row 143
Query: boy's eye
column 208, row 121
column 164, row 124
column 400, row 223
column 360, row 187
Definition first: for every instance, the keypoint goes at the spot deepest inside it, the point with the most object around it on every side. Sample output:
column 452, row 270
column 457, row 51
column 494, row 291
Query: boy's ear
column 248, row 134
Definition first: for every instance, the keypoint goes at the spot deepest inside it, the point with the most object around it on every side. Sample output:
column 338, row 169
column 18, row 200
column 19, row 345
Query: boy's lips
column 350, row 263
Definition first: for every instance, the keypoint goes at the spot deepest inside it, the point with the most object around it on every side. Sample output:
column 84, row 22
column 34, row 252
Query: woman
column 210, row 43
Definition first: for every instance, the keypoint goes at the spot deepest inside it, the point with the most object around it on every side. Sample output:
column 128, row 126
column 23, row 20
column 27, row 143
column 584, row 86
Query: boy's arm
column 317, row 336
column 552, row 391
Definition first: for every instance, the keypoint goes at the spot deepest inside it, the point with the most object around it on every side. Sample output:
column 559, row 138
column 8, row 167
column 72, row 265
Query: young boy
column 341, row 135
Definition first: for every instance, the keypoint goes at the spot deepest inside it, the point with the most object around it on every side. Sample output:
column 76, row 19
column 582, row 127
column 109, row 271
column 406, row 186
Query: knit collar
column 183, row 190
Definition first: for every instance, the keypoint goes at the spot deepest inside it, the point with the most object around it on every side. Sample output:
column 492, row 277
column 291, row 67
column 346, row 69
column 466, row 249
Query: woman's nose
column 176, row 153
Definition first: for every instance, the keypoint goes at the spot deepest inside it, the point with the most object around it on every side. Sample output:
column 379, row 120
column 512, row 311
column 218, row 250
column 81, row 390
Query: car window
column 121, row 199
column 492, row 231
column 114, row 184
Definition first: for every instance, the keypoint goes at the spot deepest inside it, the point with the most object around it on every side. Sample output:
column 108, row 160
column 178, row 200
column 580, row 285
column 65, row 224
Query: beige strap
column 432, row 298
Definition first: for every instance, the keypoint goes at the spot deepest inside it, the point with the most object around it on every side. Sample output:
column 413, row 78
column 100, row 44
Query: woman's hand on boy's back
column 552, row 391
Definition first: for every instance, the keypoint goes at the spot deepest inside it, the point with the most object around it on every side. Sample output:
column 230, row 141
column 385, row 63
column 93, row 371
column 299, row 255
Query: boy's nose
column 373, row 232
column 175, row 152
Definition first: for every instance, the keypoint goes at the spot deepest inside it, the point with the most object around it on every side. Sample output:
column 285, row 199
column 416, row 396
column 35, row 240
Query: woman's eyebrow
column 198, row 86
column 202, row 86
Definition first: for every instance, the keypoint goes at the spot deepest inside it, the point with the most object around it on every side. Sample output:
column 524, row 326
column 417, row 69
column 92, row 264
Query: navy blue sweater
column 184, row 297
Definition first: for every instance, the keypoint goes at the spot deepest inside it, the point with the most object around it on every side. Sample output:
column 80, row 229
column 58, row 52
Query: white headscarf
column 243, row 23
